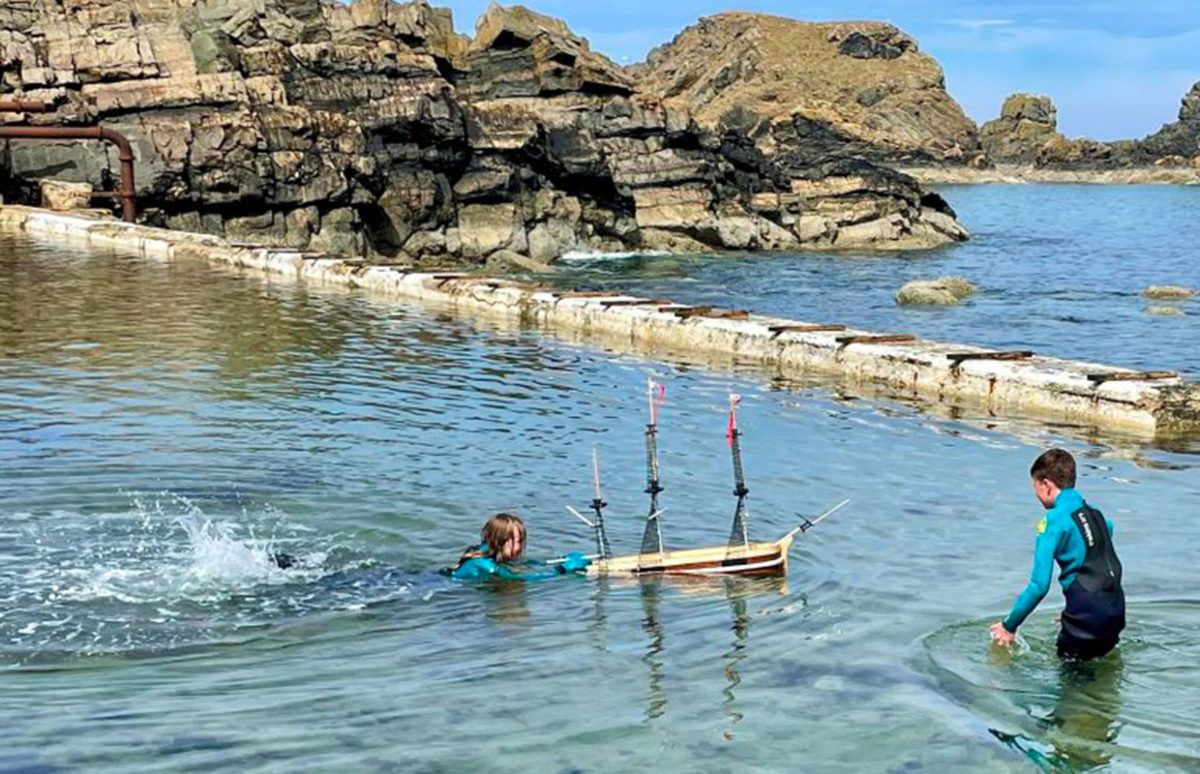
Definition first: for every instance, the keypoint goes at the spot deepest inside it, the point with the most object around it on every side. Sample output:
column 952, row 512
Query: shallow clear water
column 164, row 426
column 1059, row 269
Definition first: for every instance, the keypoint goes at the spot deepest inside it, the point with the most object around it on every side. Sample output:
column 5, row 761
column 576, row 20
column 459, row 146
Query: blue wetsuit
column 485, row 567
column 1079, row 539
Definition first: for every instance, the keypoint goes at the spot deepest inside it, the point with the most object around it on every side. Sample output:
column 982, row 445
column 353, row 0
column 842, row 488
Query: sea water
column 166, row 427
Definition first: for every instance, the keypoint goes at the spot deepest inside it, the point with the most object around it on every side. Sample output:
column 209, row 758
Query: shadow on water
column 1132, row 709
column 1083, row 726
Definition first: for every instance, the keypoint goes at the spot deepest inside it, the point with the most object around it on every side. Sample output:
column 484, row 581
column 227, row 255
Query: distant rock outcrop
column 813, row 90
column 1026, row 123
column 1024, row 144
column 373, row 128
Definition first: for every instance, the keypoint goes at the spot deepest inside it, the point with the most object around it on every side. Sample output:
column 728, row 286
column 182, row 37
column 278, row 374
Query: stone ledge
column 1035, row 387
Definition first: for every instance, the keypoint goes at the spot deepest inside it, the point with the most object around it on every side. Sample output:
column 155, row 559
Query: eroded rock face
column 372, row 128
column 1026, row 133
column 858, row 89
column 1026, row 123
column 1176, row 143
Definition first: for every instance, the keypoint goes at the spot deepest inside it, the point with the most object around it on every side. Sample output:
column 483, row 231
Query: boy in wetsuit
column 1079, row 539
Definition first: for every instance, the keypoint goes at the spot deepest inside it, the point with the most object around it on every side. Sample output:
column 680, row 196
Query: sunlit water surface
column 164, row 427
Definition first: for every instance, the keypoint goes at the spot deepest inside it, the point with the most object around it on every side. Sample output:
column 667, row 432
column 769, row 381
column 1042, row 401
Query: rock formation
column 373, row 129
column 943, row 291
column 1181, row 139
column 1026, row 123
column 859, row 89
column 1024, row 143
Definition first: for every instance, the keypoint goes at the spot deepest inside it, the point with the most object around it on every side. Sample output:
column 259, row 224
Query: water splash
column 162, row 575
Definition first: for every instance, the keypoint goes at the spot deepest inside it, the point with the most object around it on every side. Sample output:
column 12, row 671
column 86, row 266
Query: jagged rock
column 1173, row 292
column 372, row 128
column 1026, row 123
column 1181, row 138
column 876, row 44
column 520, row 53
column 1026, row 134
column 857, row 89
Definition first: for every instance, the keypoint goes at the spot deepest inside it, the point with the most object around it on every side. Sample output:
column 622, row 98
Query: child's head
column 1052, row 472
column 504, row 535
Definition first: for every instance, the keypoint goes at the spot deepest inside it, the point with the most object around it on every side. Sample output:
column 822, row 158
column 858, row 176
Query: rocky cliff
column 813, row 90
column 372, row 128
column 1024, row 144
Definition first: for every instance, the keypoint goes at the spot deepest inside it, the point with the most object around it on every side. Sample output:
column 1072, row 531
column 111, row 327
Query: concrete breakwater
column 1016, row 384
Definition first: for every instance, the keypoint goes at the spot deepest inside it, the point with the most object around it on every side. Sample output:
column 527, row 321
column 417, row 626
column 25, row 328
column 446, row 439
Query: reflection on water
column 653, row 658
column 734, row 657
column 1132, row 709
column 1082, row 727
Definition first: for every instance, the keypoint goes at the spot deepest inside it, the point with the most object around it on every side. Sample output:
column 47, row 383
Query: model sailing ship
column 740, row 556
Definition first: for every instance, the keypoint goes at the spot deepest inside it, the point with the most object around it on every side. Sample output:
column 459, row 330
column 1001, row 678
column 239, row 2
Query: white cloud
column 977, row 24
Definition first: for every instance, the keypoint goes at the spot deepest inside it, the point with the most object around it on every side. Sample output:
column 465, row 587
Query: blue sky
column 1114, row 69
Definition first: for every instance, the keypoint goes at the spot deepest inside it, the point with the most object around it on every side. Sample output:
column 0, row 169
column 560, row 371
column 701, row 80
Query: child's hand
column 575, row 562
column 1002, row 636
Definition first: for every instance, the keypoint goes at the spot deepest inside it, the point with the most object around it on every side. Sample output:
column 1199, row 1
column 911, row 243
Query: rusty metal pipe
column 24, row 106
column 125, row 153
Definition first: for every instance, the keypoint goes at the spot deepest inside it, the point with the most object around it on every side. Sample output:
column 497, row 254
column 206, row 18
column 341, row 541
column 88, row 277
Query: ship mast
column 652, row 542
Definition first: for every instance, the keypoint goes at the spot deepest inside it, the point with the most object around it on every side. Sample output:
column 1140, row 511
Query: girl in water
column 502, row 543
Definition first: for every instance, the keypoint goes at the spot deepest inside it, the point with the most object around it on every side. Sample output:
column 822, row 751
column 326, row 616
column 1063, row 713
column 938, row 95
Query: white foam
column 587, row 255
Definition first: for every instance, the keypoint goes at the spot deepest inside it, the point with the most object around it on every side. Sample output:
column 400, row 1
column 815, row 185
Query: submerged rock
column 961, row 287
column 507, row 261
column 1165, row 311
column 944, row 291
column 1176, row 292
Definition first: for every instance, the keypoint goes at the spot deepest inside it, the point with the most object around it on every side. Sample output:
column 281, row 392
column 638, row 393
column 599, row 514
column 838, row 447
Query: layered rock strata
column 857, row 89
column 373, row 129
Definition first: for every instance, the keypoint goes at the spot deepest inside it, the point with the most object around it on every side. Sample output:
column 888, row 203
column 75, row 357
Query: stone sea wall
column 372, row 129
column 999, row 383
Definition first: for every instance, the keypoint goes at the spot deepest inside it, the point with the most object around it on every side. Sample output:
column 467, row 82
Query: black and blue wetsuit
column 1079, row 539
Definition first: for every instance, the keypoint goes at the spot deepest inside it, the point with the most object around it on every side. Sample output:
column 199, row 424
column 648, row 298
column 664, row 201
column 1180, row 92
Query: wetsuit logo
column 1086, row 528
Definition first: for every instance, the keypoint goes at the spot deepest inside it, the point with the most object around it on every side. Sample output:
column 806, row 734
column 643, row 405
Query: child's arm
column 479, row 569
column 1039, row 579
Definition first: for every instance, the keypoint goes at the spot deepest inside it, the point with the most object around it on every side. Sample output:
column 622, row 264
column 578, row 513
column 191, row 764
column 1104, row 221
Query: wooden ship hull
column 753, row 559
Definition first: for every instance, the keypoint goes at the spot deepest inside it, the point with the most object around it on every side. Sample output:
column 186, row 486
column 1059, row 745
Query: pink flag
column 734, row 402
column 657, row 393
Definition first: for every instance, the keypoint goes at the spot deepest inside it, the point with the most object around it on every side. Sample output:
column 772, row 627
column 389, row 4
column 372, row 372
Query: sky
column 1116, row 69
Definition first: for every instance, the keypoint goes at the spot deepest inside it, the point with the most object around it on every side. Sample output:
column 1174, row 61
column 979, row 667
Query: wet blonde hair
column 495, row 533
